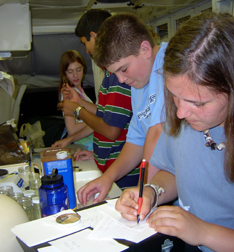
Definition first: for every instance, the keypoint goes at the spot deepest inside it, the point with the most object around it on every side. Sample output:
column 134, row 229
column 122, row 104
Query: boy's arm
column 93, row 121
column 75, row 97
column 91, row 107
column 151, row 139
column 98, row 125
column 129, row 157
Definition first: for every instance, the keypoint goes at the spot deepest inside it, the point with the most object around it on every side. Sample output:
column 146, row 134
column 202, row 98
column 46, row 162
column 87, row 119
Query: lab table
column 157, row 242
column 85, row 171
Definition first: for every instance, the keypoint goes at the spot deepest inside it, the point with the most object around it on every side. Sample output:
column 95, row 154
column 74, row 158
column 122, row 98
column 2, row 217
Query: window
column 162, row 30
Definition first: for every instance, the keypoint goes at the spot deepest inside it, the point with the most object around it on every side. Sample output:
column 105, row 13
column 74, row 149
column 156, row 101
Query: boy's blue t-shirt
column 148, row 102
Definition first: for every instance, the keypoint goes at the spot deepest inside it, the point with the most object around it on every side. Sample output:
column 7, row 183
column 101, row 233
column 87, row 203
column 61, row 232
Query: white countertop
column 83, row 171
column 90, row 171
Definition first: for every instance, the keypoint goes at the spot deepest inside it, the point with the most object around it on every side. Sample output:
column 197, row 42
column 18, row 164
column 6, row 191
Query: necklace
column 210, row 143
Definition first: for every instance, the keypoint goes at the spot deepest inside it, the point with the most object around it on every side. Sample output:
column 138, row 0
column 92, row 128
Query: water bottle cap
column 51, row 179
column 61, row 154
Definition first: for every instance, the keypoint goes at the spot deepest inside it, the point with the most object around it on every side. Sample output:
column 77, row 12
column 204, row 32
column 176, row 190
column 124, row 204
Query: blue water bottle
column 62, row 160
column 53, row 194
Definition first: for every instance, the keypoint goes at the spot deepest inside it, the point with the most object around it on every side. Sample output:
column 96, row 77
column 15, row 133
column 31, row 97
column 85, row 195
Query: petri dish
column 68, row 219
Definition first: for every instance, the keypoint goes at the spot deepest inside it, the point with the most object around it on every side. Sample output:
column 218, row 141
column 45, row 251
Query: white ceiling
column 67, row 12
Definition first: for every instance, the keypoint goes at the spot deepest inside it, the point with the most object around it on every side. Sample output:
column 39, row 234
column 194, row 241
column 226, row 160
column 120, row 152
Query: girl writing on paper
column 195, row 150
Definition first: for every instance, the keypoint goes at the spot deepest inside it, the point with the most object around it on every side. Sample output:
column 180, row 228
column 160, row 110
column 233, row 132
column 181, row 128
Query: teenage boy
column 125, row 47
column 111, row 117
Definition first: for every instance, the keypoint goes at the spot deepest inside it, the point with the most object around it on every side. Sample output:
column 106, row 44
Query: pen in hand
column 141, row 179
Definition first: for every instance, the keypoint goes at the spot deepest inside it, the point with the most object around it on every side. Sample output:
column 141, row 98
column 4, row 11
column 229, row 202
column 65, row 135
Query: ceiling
column 67, row 12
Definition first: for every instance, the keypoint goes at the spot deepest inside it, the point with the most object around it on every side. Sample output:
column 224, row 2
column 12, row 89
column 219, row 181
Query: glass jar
column 17, row 196
column 34, row 183
column 6, row 190
column 26, row 203
column 24, row 172
column 30, row 194
column 36, row 208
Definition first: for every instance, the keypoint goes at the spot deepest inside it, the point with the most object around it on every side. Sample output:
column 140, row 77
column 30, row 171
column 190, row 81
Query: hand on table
column 100, row 185
column 61, row 143
column 83, row 155
column 175, row 221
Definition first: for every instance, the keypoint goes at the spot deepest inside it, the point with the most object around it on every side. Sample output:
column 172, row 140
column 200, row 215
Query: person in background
column 111, row 117
column 195, row 151
column 72, row 72
column 86, row 30
column 125, row 46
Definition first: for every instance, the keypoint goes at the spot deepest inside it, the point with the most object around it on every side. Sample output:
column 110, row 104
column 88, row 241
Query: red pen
column 141, row 179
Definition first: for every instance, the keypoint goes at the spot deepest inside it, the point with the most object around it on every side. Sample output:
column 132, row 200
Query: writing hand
column 127, row 203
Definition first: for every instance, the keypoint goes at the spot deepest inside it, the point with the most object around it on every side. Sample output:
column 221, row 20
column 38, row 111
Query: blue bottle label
column 20, row 182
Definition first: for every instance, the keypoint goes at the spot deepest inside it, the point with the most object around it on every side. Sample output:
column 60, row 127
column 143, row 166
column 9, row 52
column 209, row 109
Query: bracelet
column 158, row 190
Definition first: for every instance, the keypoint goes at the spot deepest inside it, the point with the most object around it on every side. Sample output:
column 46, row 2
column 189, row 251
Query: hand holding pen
column 141, row 180
column 131, row 204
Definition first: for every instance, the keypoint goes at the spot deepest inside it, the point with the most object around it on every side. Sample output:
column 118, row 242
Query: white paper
column 91, row 217
column 80, row 242
column 45, row 229
column 108, row 227
column 117, row 215
column 139, row 231
column 48, row 249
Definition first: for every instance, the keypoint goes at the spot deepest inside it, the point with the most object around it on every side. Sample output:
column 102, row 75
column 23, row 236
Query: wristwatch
column 77, row 111
column 158, row 190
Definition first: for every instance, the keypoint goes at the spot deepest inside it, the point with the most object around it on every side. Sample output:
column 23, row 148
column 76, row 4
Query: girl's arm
column 86, row 131
column 175, row 221
column 72, row 125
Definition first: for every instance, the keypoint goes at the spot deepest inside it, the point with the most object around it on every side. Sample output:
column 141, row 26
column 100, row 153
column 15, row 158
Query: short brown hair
column 90, row 22
column 118, row 37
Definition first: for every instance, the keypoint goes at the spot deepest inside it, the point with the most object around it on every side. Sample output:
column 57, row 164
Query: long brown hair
column 203, row 50
column 66, row 59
